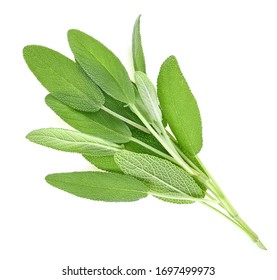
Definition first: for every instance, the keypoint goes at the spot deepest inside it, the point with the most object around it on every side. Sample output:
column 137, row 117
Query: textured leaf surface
column 179, row 107
column 63, row 78
column 99, row 124
column 161, row 173
column 148, row 96
column 72, row 141
column 102, row 66
column 137, row 50
column 99, row 186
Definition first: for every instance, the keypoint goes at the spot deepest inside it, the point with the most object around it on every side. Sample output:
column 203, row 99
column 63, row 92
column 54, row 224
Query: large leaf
column 104, row 68
column 72, row 141
column 148, row 96
column 137, row 50
column 167, row 177
column 179, row 107
column 99, row 186
column 99, row 124
column 63, row 78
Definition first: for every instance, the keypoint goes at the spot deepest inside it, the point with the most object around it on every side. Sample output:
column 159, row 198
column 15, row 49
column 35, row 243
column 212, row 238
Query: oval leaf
column 179, row 107
column 148, row 96
column 102, row 66
column 63, row 78
column 99, row 186
column 158, row 172
column 137, row 50
column 99, row 124
column 72, row 141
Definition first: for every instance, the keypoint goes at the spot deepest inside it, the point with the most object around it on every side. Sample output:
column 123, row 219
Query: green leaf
column 167, row 177
column 72, row 141
column 168, row 196
column 138, row 56
column 63, row 78
column 99, row 124
column 148, row 96
column 149, row 139
column 179, row 107
column 102, row 66
column 106, row 163
column 121, row 109
column 99, row 186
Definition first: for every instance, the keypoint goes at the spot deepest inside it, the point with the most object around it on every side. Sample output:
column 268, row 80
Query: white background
column 227, row 50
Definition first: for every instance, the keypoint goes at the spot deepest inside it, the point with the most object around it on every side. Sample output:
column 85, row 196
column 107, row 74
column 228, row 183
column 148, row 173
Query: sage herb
column 122, row 127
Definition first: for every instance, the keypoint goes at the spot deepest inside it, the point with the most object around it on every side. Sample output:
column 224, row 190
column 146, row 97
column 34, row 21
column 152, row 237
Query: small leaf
column 102, row 66
column 137, row 50
column 158, row 172
column 101, row 186
column 72, row 141
column 180, row 107
column 148, row 96
column 106, row 163
column 99, row 124
column 63, row 78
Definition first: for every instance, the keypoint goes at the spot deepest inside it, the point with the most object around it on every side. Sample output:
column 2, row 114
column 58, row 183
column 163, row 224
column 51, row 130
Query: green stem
column 224, row 215
column 132, row 123
column 153, row 149
column 182, row 197
column 224, row 202
column 165, row 144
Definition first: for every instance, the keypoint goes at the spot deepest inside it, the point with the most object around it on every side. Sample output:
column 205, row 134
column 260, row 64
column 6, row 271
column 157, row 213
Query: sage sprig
column 122, row 127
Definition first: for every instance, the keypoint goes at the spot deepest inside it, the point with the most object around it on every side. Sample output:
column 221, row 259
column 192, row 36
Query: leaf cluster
column 95, row 96
column 144, row 140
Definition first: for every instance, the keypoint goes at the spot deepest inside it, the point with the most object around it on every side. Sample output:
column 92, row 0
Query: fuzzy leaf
column 63, row 78
column 179, row 107
column 101, row 186
column 102, row 66
column 137, row 50
column 158, row 172
column 148, row 96
column 99, row 124
column 72, row 141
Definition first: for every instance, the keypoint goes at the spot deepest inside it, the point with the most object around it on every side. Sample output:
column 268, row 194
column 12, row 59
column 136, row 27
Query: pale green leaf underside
column 99, row 186
column 99, row 124
column 137, row 50
column 63, row 78
column 102, row 66
column 179, row 107
column 148, row 96
column 158, row 172
column 72, row 141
